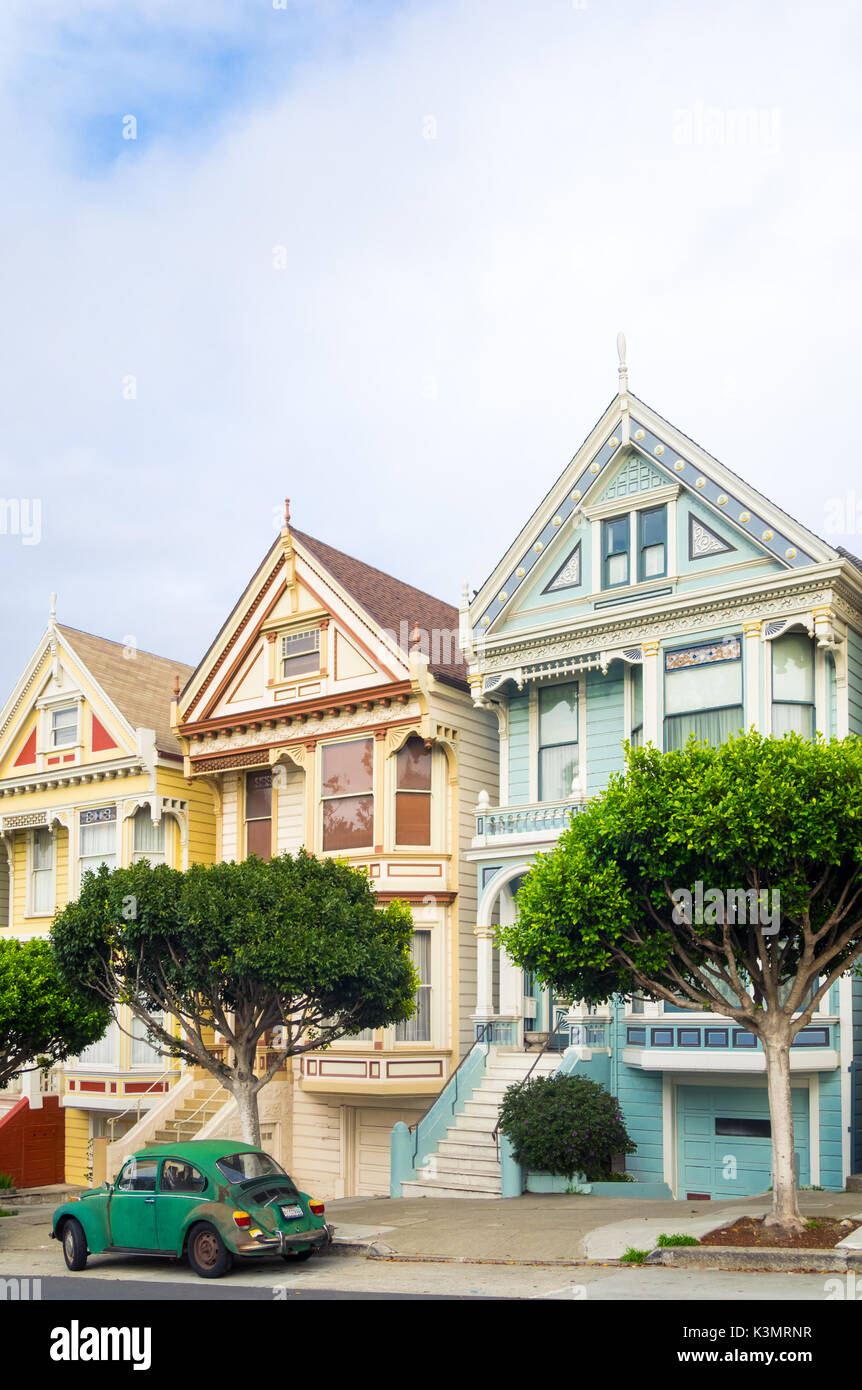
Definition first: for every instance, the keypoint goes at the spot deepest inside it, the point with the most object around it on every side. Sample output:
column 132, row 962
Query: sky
column 374, row 257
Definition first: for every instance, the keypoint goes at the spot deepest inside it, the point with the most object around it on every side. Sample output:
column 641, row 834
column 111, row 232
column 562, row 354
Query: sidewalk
column 546, row 1229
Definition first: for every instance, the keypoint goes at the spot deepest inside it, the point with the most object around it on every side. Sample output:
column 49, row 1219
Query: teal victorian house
column 654, row 594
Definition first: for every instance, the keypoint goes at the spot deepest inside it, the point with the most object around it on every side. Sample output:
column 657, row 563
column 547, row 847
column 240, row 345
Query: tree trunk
column 246, row 1100
column 785, row 1206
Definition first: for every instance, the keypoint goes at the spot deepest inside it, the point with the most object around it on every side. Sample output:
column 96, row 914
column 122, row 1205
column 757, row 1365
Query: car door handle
column 148, row 1201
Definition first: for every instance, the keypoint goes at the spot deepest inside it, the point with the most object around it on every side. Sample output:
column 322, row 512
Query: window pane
column 64, row 726
column 708, row 726
column 99, row 840
column 558, row 768
column 348, row 768
column 348, row 822
column 143, row 1053
column 618, row 569
column 104, row 1052
column 793, row 668
column 793, row 719
column 652, row 560
column 181, row 1177
column 637, row 695
column 414, row 766
column 558, row 714
column 258, row 795
column 139, row 1175
column 418, row 1028
column 300, row 652
column 43, row 849
column 617, row 535
column 258, row 838
column 412, row 818
column 703, row 687
column 148, row 838
column 653, row 526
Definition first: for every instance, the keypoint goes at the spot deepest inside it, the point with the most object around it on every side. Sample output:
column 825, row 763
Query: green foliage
column 5, row 1212
column 6, row 1181
column 295, row 941
column 633, row 1257
column 595, row 914
column 564, row 1125
column 43, row 1018
column 665, row 1242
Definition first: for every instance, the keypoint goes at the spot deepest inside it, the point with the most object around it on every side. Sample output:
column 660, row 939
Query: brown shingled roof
column 141, row 687
column 391, row 602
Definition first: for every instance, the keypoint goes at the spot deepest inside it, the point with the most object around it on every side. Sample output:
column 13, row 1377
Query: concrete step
column 481, row 1108
column 459, row 1148
column 481, row 1124
column 482, row 1167
column 439, row 1188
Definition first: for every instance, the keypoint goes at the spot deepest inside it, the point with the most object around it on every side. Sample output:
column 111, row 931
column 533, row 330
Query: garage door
column 373, row 1135
column 725, row 1140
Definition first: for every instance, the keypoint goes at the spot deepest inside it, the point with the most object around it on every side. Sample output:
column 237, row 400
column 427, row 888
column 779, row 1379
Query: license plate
column 291, row 1213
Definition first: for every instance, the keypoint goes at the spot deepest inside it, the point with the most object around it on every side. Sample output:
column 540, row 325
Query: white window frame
column 580, row 786
column 329, row 743
column 118, row 842
column 436, row 921
column 135, row 856
column 438, row 806
column 284, row 637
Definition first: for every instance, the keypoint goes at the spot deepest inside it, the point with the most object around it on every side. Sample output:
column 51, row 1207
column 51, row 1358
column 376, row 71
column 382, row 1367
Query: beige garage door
column 372, row 1132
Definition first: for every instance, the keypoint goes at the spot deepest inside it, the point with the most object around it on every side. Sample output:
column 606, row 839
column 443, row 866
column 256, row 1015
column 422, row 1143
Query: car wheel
column 207, row 1253
column 297, row 1256
column 74, row 1245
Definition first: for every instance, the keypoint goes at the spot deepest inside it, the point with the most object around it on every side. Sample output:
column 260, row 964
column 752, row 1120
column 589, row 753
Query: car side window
column 139, row 1175
column 179, row 1176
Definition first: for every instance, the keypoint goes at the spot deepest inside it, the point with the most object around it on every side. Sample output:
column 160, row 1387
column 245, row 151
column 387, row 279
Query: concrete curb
column 752, row 1257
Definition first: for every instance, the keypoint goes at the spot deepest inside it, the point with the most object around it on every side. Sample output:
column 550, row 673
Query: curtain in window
column 143, row 1053
column 98, row 845
column 558, row 767
column 347, row 785
column 418, row 1028
column 792, row 719
column 711, row 726
column 793, row 685
column 43, row 873
column 105, row 1052
column 148, row 840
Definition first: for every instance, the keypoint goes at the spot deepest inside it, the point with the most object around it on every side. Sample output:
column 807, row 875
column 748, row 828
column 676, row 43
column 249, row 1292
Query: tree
column 296, row 944
column 719, row 879
column 42, row 1019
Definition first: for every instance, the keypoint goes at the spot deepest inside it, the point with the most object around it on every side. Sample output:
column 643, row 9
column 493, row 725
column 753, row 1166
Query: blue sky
column 375, row 257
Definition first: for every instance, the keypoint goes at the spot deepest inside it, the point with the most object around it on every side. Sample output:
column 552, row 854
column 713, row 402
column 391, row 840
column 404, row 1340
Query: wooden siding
column 605, row 724
column 854, row 679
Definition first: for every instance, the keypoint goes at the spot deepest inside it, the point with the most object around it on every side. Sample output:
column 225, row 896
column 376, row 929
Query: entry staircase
column 466, row 1163
column 187, row 1112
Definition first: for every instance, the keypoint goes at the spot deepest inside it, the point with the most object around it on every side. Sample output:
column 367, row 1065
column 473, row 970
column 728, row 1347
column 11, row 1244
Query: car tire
column 297, row 1256
column 207, row 1254
column 74, row 1245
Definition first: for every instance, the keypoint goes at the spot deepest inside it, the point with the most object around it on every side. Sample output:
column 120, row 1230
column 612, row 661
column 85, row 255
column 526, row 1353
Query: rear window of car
column 242, row 1166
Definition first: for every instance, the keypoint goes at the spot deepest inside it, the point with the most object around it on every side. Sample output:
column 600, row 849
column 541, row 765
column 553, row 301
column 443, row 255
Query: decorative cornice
column 343, row 722
column 237, row 633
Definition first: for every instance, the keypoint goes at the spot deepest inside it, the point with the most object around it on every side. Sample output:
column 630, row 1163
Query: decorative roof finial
column 624, row 371
column 52, row 615
column 287, row 511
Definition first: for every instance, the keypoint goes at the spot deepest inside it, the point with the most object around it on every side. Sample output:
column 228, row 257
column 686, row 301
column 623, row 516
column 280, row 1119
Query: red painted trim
column 28, row 752
column 100, row 739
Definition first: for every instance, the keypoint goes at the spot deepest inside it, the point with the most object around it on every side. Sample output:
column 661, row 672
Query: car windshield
column 242, row 1166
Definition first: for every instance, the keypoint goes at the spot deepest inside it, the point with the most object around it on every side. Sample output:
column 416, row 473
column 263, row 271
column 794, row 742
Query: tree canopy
column 42, row 1020
column 718, row 879
column 296, row 944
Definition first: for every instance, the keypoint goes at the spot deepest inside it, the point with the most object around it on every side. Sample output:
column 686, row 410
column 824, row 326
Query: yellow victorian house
column 90, row 773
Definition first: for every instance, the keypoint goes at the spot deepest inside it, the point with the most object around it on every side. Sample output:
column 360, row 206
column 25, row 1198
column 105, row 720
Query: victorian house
column 332, row 712
column 90, row 773
column 652, row 595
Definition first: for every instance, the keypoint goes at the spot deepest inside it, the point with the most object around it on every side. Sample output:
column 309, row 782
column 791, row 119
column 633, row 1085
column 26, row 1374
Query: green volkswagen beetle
column 206, row 1200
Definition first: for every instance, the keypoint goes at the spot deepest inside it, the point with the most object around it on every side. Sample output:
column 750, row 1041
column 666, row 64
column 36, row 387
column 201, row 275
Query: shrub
column 6, row 1180
column 665, row 1242
column 564, row 1125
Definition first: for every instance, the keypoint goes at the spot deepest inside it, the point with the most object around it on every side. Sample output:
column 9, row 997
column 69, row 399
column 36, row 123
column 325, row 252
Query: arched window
column 413, row 794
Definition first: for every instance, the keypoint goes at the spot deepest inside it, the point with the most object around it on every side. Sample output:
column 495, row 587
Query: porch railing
column 495, row 821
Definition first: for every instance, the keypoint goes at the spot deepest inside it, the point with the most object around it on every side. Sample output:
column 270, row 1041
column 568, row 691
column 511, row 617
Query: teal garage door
column 725, row 1140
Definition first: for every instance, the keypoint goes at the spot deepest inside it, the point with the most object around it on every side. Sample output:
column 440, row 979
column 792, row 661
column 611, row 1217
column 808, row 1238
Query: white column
column 30, row 1088
column 484, row 972
column 511, row 975
column 752, row 667
column 651, row 733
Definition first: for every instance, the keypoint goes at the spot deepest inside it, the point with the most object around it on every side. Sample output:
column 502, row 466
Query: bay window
column 42, row 873
column 347, row 791
column 258, row 813
column 793, row 685
column 148, row 840
column 703, row 693
column 558, row 741
column 418, row 1028
column 413, row 794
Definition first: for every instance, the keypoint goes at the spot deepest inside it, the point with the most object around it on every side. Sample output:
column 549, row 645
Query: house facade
column 332, row 712
column 653, row 595
column 90, row 773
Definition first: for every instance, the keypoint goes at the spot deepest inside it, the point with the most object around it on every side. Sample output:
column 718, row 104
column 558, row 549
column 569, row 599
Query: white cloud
column 497, row 260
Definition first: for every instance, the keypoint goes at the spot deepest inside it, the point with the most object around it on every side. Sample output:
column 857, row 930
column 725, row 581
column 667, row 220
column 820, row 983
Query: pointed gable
column 139, row 684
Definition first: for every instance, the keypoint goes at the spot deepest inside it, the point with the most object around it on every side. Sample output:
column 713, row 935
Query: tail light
column 316, row 1208
column 242, row 1218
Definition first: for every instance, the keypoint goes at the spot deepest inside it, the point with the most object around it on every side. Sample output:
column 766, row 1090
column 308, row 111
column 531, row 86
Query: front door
column 132, row 1206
